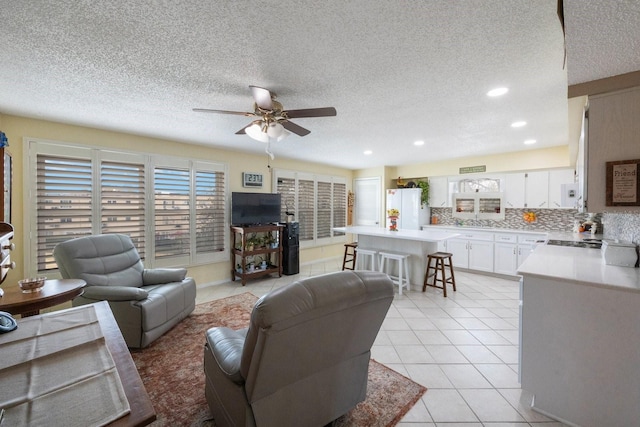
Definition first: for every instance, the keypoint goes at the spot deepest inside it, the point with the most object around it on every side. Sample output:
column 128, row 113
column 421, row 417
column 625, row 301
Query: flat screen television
column 255, row 208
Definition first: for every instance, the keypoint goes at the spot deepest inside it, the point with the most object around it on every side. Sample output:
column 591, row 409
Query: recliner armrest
column 115, row 293
column 226, row 346
column 159, row 276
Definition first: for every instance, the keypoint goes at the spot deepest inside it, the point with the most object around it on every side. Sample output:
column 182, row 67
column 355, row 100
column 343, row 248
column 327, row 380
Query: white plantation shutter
column 323, row 204
column 287, row 189
column 318, row 202
column 210, row 212
column 63, row 200
column 339, row 198
column 175, row 215
column 172, row 212
column 122, row 187
column 305, row 214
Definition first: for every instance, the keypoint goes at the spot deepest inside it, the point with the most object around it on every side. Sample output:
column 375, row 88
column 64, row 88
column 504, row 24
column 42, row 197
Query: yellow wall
column 547, row 158
column 18, row 128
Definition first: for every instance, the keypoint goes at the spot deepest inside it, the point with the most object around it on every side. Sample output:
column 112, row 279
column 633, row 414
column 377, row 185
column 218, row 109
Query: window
column 123, row 188
column 319, row 204
column 172, row 212
column 63, row 204
column 175, row 215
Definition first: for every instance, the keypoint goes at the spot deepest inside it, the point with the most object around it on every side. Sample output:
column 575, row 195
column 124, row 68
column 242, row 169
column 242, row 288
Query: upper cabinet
column 563, row 190
column 513, row 185
column 537, row 190
column 439, row 196
column 554, row 189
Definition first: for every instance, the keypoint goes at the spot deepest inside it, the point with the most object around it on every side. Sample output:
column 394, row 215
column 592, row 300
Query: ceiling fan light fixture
column 275, row 130
column 255, row 131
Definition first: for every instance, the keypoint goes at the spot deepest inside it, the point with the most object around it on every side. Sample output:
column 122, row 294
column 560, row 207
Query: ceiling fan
column 273, row 120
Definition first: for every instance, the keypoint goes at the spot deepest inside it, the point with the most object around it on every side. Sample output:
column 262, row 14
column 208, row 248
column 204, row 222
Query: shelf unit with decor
column 249, row 243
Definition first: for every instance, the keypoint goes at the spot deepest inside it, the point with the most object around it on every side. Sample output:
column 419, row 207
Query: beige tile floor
column 463, row 348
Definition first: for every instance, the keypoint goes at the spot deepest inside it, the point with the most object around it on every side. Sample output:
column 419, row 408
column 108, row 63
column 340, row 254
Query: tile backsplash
column 547, row 219
column 623, row 226
column 614, row 225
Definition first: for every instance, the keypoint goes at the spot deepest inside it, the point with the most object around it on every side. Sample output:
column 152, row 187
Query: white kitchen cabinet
column 505, row 253
column 481, row 255
column 439, row 192
column 536, row 191
column 527, row 190
column 558, row 178
column 506, row 258
column 472, row 250
column 488, row 205
column 514, row 190
column 510, row 251
column 460, row 250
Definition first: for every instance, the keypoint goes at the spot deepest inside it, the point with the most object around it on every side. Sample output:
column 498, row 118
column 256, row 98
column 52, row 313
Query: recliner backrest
column 100, row 260
column 309, row 325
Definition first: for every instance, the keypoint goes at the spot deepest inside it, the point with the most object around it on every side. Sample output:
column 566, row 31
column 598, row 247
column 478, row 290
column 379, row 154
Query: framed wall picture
column 252, row 179
column 623, row 183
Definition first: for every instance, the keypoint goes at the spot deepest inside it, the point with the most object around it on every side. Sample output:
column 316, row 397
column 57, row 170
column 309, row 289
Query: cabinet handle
column 11, row 265
column 514, row 251
column 11, row 247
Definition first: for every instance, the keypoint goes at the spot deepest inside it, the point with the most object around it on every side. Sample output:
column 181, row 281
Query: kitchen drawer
column 476, row 235
column 531, row 238
column 506, row 238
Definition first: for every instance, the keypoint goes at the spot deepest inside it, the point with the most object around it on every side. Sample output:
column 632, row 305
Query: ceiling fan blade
column 310, row 112
column 237, row 113
column 298, row 130
column 262, row 97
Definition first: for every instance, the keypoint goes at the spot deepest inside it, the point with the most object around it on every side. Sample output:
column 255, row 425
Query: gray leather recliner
column 304, row 359
column 146, row 303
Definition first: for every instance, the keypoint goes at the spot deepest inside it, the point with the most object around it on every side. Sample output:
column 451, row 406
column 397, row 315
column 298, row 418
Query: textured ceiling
column 396, row 71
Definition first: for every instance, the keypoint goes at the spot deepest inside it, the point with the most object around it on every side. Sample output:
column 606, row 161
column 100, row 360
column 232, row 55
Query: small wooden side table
column 54, row 292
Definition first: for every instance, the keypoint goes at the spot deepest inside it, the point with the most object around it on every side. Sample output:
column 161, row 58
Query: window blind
column 122, row 187
column 63, row 199
column 172, row 212
column 210, row 211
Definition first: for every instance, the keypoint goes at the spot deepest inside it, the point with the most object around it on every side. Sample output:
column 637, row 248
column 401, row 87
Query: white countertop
column 420, row 235
column 580, row 265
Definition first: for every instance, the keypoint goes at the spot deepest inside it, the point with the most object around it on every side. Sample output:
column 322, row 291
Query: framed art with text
column 623, row 183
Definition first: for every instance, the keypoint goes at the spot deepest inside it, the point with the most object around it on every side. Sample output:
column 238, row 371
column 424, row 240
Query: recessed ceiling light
column 530, row 141
column 418, row 143
column 497, row 91
column 368, row 152
column 518, row 124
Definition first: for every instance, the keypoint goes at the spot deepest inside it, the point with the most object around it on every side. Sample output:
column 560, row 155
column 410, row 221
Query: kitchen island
column 418, row 243
column 580, row 334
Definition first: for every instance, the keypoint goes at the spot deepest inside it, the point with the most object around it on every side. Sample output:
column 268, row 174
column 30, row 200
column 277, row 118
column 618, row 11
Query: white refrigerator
column 412, row 214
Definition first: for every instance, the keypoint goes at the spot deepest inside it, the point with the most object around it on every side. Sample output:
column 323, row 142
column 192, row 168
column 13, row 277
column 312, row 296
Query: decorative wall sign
column 623, row 183
column 252, row 179
column 473, row 169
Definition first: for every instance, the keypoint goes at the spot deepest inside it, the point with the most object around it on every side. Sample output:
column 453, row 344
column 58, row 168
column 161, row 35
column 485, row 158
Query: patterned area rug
column 172, row 372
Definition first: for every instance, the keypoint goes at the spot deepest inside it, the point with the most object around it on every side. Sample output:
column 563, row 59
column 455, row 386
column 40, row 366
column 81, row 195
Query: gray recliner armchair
column 304, row 359
column 146, row 303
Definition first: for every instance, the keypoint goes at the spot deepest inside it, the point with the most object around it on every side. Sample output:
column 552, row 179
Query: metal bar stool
column 440, row 261
column 366, row 257
column 403, row 267
column 350, row 254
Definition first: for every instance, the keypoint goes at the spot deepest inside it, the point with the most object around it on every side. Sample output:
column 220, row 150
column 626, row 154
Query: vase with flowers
column 393, row 219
